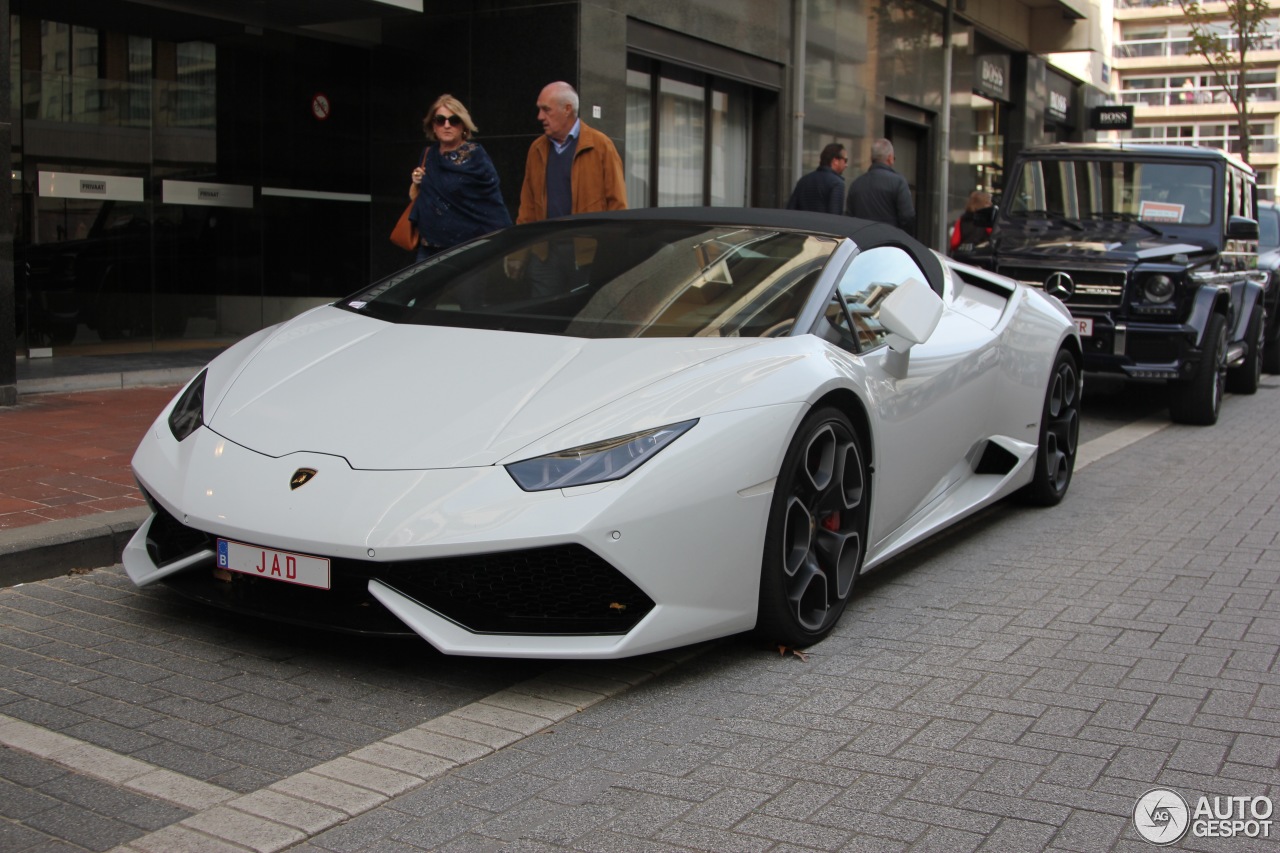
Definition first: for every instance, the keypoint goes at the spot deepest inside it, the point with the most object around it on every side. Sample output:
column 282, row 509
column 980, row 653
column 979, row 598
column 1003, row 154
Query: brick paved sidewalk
column 67, row 455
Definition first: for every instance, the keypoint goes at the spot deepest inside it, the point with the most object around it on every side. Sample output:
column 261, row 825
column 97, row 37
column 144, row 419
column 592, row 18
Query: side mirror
column 910, row 314
column 1242, row 228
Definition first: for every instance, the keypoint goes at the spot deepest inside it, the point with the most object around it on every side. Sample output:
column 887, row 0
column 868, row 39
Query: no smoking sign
column 320, row 106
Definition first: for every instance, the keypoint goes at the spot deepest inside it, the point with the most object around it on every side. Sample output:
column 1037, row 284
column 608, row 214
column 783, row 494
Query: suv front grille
column 1094, row 289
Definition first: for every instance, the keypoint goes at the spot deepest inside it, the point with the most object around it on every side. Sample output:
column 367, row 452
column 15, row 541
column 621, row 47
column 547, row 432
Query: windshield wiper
column 1121, row 216
column 1057, row 217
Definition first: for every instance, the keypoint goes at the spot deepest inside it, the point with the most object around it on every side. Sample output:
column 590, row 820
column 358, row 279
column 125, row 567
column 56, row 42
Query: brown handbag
column 405, row 234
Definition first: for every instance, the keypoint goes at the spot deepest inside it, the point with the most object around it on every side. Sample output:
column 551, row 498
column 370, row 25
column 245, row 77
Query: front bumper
column 668, row 556
column 1140, row 350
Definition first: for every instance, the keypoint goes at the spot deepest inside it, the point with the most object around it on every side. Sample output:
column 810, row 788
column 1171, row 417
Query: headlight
column 188, row 413
column 594, row 463
column 1158, row 289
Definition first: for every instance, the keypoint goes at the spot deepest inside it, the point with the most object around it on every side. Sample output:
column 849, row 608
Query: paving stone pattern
column 1014, row 686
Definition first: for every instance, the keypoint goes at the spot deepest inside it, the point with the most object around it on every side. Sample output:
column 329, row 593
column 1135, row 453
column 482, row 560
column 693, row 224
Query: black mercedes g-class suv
column 1153, row 248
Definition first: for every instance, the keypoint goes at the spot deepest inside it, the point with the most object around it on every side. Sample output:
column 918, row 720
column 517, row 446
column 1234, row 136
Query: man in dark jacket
column 822, row 190
column 881, row 193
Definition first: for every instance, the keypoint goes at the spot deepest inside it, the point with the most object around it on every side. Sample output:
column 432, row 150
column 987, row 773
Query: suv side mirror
column 1242, row 228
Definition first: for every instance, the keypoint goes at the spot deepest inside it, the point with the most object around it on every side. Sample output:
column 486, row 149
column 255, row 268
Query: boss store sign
column 1111, row 118
column 1060, row 108
column 991, row 76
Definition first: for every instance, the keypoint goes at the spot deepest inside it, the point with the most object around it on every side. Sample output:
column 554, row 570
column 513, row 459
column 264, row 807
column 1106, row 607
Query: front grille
column 1094, row 288
column 563, row 589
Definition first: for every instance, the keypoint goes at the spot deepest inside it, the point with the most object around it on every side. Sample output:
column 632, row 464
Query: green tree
column 1224, row 38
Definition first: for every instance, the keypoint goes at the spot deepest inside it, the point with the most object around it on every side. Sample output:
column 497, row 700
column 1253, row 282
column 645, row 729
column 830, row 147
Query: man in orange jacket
column 572, row 168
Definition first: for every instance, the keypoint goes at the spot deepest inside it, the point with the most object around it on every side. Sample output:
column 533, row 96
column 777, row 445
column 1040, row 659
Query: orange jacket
column 596, row 177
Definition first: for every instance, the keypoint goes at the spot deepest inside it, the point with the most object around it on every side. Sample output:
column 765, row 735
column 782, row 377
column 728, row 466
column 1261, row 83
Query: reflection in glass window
column 639, row 105
column 872, row 275
column 729, row 151
column 693, row 130
column 615, row 280
column 681, row 141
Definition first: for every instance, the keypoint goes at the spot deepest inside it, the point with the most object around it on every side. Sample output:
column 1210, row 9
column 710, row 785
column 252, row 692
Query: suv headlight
column 188, row 413
column 599, row 462
column 1158, row 289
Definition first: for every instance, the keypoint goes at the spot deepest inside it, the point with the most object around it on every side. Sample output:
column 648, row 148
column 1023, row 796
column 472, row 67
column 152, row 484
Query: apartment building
column 1178, row 100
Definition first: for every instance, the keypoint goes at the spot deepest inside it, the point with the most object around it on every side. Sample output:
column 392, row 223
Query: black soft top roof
column 865, row 233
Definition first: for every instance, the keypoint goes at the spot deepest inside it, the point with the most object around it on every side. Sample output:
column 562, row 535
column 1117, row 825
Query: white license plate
column 277, row 565
column 1085, row 325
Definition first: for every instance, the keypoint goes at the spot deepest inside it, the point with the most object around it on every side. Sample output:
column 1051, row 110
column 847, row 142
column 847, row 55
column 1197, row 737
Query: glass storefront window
column 693, row 130
column 639, row 105
column 729, row 150
column 681, row 142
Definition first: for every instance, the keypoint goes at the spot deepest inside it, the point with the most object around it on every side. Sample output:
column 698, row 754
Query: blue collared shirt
column 572, row 134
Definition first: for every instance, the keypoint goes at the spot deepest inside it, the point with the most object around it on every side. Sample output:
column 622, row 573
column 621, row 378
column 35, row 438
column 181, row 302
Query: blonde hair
column 453, row 105
column 978, row 200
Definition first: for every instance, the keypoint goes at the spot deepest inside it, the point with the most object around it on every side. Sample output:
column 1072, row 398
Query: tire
column 1198, row 400
column 1059, row 434
column 1271, row 357
column 1246, row 378
column 816, row 537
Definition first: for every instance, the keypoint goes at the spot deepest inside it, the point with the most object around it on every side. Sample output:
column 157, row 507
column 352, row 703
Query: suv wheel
column 1246, row 378
column 1271, row 352
column 1199, row 399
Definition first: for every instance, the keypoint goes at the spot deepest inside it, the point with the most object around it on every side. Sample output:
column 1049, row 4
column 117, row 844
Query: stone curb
column 43, row 551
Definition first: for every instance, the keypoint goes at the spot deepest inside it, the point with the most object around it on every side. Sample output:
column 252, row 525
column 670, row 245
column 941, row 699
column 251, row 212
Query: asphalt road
column 1014, row 685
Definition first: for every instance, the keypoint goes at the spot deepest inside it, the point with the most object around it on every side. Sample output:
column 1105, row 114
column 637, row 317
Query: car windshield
column 601, row 279
column 1147, row 193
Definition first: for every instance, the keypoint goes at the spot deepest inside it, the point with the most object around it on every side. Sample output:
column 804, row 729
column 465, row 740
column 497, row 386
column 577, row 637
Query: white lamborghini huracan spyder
column 610, row 434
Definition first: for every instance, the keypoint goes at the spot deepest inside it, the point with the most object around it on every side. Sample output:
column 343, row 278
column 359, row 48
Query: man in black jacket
column 881, row 193
column 822, row 190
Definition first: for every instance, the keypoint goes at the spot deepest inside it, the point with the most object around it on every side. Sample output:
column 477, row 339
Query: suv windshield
column 595, row 279
column 1145, row 193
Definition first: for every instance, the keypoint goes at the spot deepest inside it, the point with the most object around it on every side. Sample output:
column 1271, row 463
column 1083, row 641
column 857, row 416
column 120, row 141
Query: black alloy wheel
column 1059, row 433
column 816, row 538
column 1198, row 400
column 1246, row 378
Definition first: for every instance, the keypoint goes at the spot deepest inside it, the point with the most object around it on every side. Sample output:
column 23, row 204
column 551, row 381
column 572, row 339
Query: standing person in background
column 571, row 168
column 457, row 194
column 882, row 194
column 973, row 228
column 822, row 190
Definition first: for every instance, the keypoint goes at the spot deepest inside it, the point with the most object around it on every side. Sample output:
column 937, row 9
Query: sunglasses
column 439, row 120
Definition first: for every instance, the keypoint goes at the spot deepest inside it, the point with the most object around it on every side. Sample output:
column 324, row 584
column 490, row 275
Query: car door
column 931, row 403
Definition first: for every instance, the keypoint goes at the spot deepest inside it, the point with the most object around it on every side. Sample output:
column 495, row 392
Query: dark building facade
column 184, row 173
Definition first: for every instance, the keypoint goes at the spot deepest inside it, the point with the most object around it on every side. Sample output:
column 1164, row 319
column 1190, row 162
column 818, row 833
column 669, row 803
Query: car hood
column 390, row 396
column 1126, row 244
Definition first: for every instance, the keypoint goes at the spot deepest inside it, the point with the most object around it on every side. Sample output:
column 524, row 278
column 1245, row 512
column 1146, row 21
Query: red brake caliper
column 832, row 522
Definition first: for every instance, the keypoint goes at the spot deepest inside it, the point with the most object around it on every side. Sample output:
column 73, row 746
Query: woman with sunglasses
column 455, row 186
